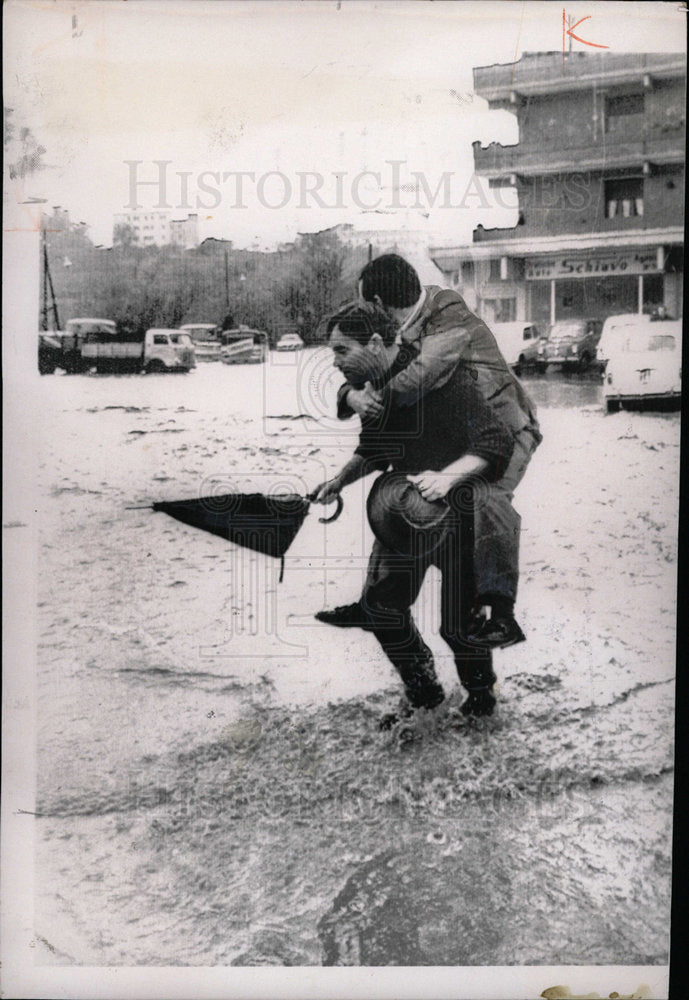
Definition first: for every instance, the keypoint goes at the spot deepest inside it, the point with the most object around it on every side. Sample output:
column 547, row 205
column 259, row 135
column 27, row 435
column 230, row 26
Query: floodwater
column 213, row 788
column 564, row 389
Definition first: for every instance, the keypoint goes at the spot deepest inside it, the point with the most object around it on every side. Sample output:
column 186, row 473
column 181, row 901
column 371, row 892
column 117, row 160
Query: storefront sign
column 593, row 265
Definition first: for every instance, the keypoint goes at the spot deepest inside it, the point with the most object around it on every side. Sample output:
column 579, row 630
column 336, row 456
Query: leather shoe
column 497, row 633
column 345, row 616
column 479, row 703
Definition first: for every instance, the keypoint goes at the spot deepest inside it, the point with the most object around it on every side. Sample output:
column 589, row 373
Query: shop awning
column 449, row 258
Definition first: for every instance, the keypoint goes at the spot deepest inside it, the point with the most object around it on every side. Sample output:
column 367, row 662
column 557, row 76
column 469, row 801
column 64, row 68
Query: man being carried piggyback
column 439, row 332
column 430, row 454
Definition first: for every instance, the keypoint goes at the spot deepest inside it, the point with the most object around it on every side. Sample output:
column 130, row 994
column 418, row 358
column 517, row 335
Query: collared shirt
column 411, row 318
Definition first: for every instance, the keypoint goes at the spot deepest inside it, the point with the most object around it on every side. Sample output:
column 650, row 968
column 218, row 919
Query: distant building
column 185, row 232
column 412, row 244
column 599, row 173
column 152, row 227
column 148, row 227
column 60, row 222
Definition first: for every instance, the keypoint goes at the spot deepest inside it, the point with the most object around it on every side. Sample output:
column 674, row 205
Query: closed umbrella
column 255, row 521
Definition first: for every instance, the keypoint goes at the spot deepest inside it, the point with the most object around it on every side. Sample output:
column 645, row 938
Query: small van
column 610, row 334
column 518, row 343
column 645, row 368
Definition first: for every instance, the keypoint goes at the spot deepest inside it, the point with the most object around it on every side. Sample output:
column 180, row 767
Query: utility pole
column 227, row 280
column 47, row 283
column 44, row 306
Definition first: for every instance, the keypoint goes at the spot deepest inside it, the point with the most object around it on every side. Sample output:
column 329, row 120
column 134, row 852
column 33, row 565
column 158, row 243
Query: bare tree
column 23, row 153
column 123, row 235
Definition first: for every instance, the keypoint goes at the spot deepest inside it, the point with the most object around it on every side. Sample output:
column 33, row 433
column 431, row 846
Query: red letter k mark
column 569, row 32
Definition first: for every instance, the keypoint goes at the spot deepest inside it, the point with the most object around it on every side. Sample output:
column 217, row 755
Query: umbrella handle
column 338, row 510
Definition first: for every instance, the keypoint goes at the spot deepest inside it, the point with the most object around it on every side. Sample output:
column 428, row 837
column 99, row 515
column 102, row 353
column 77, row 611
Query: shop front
column 595, row 284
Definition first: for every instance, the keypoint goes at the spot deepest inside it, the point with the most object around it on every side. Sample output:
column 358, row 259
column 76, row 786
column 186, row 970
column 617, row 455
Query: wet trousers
column 498, row 526
column 393, row 584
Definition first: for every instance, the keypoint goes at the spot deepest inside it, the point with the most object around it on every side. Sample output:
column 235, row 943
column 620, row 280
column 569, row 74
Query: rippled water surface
column 212, row 785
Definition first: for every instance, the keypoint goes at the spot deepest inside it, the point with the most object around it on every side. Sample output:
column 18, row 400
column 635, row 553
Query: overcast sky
column 331, row 88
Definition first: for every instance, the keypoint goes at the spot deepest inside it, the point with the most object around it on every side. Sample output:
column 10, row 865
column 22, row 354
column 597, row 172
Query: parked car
column 572, row 343
column 206, row 340
column 645, row 368
column 243, row 346
column 289, row 342
column 518, row 343
column 611, row 333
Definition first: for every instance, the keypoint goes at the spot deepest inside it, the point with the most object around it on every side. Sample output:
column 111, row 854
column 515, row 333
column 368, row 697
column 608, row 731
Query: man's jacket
column 448, row 333
column 448, row 422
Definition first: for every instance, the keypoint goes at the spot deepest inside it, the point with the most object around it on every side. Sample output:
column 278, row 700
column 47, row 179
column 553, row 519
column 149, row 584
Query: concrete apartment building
column 185, row 232
column 599, row 173
column 151, row 227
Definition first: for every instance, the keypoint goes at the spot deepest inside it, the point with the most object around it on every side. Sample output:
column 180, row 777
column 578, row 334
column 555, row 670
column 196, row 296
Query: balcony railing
column 497, row 160
column 541, row 223
column 548, row 72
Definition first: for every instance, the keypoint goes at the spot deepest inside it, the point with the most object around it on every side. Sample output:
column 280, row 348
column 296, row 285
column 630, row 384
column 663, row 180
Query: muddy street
column 213, row 788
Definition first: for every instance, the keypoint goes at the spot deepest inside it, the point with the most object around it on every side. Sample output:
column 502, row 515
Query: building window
column 619, row 107
column 624, row 197
column 494, row 273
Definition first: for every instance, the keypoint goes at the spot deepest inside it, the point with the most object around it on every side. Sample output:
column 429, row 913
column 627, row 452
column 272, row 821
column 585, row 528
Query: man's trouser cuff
column 476, row 674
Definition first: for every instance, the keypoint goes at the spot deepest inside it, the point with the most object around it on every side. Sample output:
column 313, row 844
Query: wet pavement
column 213, row 789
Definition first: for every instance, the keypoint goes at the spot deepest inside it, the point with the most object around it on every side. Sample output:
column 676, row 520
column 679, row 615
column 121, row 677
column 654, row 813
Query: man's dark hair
column 360, row 320
column 393, row 279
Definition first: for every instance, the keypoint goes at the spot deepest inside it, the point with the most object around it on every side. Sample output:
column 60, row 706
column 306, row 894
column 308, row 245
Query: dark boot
column 428, row 696
column 497, row 633
column 423, row 688
column 501, row 630
column 480, row 702
column 410, row 656
column 346, row 616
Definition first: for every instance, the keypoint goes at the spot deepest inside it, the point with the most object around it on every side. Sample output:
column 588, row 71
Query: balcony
column 481, row 235
column 549, row 72
column 498, row 161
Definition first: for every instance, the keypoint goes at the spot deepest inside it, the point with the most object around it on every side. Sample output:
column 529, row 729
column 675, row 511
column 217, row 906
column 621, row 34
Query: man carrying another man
column 439, row 333
column 437, row 446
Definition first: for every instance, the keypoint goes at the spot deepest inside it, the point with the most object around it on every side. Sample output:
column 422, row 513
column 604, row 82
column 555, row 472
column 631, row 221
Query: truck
column 206, row 340
column 243, row 346
column 96, row 345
